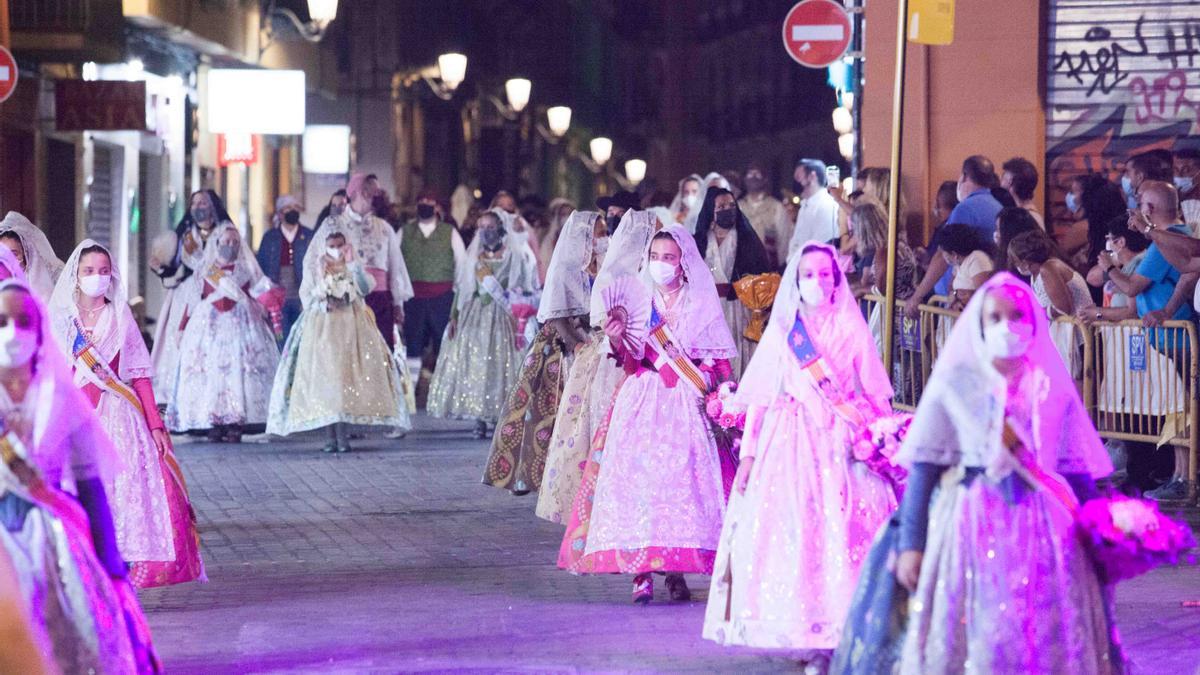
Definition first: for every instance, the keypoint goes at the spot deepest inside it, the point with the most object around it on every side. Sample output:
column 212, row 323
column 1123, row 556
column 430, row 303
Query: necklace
column 90, row 312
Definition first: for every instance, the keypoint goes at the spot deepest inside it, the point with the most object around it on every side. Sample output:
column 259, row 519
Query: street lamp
column 559, row 118
column 517, row 91
column 601, row 149
column 322, row 12
column 635, row 170
column 452, row 70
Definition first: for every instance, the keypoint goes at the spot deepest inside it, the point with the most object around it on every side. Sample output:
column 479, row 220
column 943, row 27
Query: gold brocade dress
column 480, row 364
column 336, row 368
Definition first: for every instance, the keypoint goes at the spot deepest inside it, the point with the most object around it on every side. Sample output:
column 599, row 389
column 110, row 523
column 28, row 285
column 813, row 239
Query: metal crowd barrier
column 1138, row 384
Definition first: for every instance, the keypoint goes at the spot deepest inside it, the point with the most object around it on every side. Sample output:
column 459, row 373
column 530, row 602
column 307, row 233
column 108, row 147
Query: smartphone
column 833, row 176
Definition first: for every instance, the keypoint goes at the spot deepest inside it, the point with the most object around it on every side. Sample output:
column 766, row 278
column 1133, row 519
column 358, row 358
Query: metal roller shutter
column 1122, row 77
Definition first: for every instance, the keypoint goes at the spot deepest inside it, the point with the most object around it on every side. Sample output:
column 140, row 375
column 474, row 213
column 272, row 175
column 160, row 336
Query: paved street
column 394, row 558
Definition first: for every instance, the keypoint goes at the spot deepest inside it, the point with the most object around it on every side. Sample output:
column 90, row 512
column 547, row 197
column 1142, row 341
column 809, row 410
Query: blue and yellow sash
column 669, row 353
column 85, row 352
column 813, row 365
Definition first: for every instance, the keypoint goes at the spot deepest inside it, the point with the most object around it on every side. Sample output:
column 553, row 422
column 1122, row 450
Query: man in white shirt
column 378, row 247
column 767, row 215
column 817, row 219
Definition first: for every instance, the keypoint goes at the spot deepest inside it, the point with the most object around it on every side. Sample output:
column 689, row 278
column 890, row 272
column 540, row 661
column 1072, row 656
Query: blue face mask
column 1072, row 203
column 1184, row 183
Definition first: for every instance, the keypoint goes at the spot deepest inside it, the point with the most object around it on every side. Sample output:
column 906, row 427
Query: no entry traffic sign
column 816, row 33
column 8, row 74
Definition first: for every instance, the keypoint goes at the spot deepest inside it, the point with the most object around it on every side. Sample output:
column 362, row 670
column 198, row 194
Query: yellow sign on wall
column 931, row 22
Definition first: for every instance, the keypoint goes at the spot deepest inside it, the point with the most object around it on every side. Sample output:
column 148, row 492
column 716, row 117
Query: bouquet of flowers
column 271, row 297
column 727, row 420
column 524, row 307
column 337, row 289
column 1128, row 537
column 877, row 444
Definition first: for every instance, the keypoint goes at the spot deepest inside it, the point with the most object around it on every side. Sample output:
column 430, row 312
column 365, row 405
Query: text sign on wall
column 100, row 105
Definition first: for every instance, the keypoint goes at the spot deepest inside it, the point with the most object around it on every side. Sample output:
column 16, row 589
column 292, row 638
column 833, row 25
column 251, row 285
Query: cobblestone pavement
column 394, row 558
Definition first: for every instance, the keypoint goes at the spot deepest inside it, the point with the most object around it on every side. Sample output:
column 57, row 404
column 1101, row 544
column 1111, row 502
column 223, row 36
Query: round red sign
column 8, row 74
column 816, row 33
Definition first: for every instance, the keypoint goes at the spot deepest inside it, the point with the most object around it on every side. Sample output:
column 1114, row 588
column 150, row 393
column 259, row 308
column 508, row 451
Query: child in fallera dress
column 336, row 369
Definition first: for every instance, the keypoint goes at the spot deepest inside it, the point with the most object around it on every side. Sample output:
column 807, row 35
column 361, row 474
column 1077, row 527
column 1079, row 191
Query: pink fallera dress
column 793, row 544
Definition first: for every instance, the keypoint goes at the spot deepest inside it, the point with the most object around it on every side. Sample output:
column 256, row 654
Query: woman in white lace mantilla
column 225, row 383
column 32, row 250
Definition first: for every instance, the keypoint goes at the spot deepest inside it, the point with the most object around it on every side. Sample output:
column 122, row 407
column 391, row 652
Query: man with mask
column 1150, row 165
column 281, row 256
column 976, row 208
column 615, row 206
column 767, row 216
column 819, row 216
column 377, row 246
column 732, row 250
column 1187, row 181
column 433, row 250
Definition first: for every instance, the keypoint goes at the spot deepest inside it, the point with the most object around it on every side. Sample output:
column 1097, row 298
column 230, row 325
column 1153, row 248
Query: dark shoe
column 216, row 435
column 233, row 435
column 343, row 447
column 678, row 588
column 1174, row 491
column 331, row 447
column 480, row 429
column 643, row 589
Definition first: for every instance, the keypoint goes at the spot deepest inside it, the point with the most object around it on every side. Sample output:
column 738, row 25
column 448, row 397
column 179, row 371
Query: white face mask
column 689, row 200
column 17, row 345
column 600, row 246
column 333, row 253
column 811, row 292
column 662, row 272
column 1008, row 339
column 95, row 285
column 1108, row 246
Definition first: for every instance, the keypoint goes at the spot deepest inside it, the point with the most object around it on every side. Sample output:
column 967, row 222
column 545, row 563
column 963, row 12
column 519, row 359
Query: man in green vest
column 433, row 250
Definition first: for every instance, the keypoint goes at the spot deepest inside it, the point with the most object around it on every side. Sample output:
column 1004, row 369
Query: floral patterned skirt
column 587, row 397
column 522, row 437
column 651, row 498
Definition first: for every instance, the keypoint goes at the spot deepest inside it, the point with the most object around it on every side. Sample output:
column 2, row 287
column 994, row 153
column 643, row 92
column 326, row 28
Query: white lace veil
column 701, row 326
column 316, row 252
column 839, row 332
column 521, row 263
column 626, row 250
column 117, row 332
column 694, row 214
column 568, row 286
column 246, row 269
column 10, row 263
column 677, row 201
column 964, row 383
column 42, row 266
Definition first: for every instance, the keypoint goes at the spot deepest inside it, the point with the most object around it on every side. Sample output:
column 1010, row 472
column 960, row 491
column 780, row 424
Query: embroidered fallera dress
column 231, row 351
column 155, row 524
column 652, row 497
column 335, row 368
column 793, row 543
column 479, row 365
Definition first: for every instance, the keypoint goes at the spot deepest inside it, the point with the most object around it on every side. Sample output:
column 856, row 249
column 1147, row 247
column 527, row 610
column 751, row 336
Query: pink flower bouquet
column 877, row 445
column 1129, row 537
column 727, row 420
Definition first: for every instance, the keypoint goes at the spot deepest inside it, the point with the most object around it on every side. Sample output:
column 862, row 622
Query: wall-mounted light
column 635, row 170
column 322, row 12
column 601, row 149
column 517, row 90
column 326, row 148
column 846, row 145
column 843, row 120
